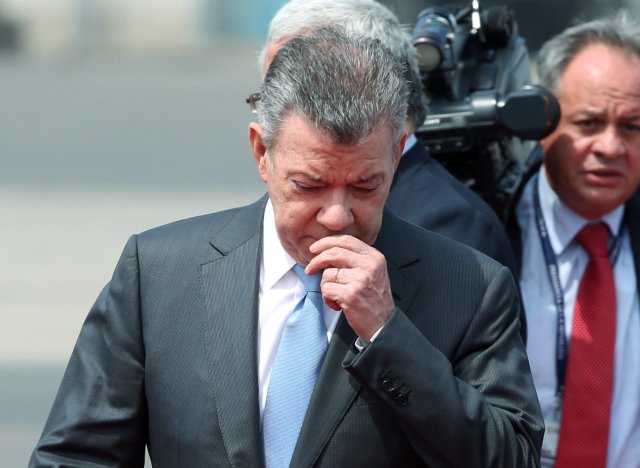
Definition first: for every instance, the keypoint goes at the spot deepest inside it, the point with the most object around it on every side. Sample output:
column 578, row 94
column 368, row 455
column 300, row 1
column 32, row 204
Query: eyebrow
column 597, row 113
column 587, row 113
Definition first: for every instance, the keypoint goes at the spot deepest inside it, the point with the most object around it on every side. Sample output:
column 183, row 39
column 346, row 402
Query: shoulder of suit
column 434, row 179
column 405, row 239
column 632, row 215
column 634, row 201
column 207, row 225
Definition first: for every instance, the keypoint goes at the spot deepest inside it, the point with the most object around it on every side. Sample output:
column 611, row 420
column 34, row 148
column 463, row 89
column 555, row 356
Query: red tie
column 584, row 429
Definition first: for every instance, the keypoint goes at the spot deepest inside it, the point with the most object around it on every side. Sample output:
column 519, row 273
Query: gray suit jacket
column 168, row 357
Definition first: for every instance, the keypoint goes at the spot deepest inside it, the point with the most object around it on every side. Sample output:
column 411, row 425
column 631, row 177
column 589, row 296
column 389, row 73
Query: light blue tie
column 298, row 360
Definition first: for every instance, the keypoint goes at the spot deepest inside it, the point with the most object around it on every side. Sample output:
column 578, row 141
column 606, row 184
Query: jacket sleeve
column 99, row 417
column 477, row 407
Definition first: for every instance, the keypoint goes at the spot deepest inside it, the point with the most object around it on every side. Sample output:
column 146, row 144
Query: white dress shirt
column 280, row 292
column 562, row 225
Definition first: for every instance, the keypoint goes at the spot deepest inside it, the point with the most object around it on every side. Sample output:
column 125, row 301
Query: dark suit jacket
column 632, row 220
column 424, row 193
column 168, row 356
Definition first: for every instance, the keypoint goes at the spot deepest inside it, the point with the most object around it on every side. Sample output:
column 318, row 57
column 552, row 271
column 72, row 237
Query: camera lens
column 433, row 36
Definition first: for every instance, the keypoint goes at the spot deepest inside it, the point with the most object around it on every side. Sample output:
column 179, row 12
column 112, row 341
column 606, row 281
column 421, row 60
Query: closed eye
column 305, row 187
column 365, row 189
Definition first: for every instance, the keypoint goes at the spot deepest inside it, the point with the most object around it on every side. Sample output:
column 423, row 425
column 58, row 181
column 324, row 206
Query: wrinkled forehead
column 599, row 62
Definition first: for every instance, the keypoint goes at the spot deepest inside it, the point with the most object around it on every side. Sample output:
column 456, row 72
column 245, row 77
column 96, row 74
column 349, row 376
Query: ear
column 258, row 149
column 399, row 149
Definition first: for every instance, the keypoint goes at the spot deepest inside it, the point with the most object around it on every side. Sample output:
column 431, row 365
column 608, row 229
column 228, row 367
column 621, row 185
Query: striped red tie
column 584, row 429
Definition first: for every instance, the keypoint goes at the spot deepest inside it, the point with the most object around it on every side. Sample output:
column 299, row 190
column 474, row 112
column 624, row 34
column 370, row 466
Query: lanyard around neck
column 556, row 286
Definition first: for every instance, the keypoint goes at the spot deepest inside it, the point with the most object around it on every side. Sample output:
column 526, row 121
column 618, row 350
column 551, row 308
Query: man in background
column 578, row 239
column 423, row 192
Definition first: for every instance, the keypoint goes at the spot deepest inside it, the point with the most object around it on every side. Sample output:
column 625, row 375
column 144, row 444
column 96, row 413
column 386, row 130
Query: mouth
column 604, row 177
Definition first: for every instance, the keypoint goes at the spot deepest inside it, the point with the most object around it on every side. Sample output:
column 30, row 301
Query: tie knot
column 310, row 282
column 594, row 239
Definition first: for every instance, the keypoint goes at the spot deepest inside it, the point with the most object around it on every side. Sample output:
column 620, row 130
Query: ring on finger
column 335, row 277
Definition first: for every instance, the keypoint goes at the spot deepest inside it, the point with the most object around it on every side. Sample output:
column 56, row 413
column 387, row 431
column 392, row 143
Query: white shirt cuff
column 361, row 344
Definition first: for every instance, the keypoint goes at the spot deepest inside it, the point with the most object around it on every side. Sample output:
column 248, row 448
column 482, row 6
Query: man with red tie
column 578, row 239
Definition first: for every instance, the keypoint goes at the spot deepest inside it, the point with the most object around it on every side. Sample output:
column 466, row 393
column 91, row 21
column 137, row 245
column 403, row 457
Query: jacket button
column 389, row 385
column 389, row 382
column 402, row 399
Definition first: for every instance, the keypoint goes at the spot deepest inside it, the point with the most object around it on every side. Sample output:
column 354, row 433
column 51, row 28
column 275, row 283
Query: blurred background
column 117, row 116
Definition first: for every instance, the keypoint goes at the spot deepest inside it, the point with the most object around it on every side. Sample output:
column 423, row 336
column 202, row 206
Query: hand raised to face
column 355, row 279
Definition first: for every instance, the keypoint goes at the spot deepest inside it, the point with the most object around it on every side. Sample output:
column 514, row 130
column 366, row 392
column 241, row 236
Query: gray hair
column 357, row 17
column 619, row 32
column 343, row 85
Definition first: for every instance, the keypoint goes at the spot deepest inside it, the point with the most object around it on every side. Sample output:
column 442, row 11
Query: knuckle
column 333, row 253
column 350, row 294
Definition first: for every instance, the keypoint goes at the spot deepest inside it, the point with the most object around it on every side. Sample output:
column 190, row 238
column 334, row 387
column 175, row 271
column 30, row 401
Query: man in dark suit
column 423, row 192
column 584, row 351
column 420, row 360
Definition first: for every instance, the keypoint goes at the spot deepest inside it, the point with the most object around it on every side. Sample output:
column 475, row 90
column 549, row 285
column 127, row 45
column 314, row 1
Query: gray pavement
column 92, row 150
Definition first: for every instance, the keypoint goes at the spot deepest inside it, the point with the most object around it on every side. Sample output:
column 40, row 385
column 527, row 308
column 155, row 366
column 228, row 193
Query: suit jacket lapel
column 632, row 215
column 230, row 285
column 335, row 389
column 394, row 243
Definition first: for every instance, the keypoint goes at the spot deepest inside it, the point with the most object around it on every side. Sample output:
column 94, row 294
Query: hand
column 355, row 280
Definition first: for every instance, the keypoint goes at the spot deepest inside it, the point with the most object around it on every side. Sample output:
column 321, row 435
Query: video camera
column 484, row 116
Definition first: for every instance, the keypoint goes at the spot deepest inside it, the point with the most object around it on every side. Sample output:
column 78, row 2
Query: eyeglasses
column 252, row 100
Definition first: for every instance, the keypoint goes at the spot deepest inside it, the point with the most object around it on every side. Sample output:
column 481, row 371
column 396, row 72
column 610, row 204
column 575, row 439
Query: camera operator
column 423, row 191
column 577, row 237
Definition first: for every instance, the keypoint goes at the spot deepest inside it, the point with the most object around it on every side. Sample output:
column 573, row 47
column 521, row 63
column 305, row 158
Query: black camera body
column 484, row 117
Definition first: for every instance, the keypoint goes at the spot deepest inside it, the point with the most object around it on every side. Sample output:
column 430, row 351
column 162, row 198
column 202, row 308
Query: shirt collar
column 276, row 262
column 562, row 223
column 411, row 140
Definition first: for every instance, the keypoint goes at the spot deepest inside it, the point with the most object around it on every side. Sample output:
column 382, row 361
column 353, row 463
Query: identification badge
column 551, row 435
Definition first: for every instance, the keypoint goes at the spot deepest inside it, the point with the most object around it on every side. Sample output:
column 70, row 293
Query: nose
column 336, row 214
column 609, row 143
